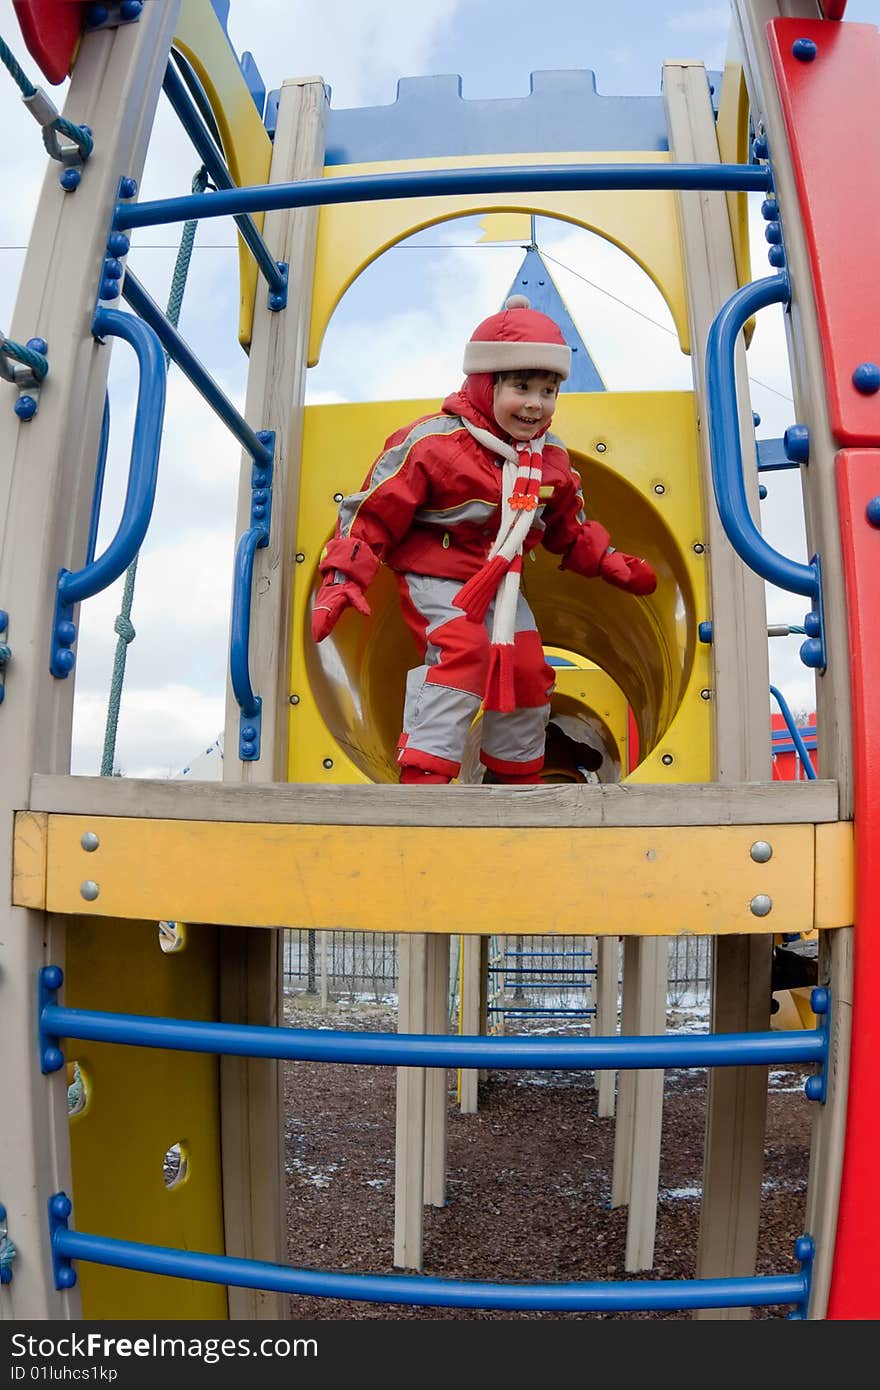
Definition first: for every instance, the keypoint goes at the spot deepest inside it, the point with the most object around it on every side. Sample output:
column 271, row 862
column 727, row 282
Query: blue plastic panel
column 563, row 111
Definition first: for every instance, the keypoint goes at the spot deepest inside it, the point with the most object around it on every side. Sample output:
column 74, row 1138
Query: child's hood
column 475, row 402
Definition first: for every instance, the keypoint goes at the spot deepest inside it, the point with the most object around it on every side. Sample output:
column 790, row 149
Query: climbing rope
column 123, row 626
column 51, row 121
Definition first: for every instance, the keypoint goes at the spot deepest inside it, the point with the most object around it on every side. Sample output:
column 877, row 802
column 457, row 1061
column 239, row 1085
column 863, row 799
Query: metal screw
column 328, row 762
column 299, row 557
column 659, row 489
column 761, row 851
column 705, row 694
column 89, row 890
column 293, row 699
column 601, row 447
column 337, row 496
column 667, row 759
column 89, row 841
column 699, row 548
column 761, row 905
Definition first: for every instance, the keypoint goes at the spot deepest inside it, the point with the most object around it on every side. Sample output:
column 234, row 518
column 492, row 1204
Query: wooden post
column 436, row 1087
column 409, row 1163
column 740, row 983
column 252, row 976
column 606, row 1016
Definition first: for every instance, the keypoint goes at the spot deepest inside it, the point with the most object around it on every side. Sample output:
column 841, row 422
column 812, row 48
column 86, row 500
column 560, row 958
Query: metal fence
column 548, row 972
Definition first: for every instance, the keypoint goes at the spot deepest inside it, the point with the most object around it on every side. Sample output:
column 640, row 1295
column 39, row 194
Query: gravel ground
column 529, row 1178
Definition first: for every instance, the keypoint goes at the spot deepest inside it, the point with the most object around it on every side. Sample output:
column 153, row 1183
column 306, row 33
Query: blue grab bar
column 724, row 440
column 360, row 188
column 98, row 574
column 239, row 669
column 795, row 732
column 422, row 1290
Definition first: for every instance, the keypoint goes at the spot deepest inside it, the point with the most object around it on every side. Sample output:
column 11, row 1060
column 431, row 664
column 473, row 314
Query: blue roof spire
column 535, row 281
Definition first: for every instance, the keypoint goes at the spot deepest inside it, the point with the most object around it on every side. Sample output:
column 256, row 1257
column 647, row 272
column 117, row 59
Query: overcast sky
column 404, row 322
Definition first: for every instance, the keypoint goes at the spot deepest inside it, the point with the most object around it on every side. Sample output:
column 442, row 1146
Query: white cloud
column 359, row 49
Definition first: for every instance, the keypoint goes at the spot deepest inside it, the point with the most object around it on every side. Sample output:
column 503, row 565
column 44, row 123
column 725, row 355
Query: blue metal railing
column 215, row 164
column 422, row 1050
column 797, row 740
column 636, row 1295
column 538, row 178
column 73, row 587
column 182, row 354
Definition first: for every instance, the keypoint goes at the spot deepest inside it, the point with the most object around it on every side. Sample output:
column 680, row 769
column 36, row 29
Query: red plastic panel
column 51, row 30
column 833, row 9
column 854, row 1282
column 830, row 107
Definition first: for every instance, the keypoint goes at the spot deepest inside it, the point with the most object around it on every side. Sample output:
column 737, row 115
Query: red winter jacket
column 430, row 502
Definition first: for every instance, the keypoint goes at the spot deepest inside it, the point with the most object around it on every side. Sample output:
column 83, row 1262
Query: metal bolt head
column 667, row 759
column 89, row 841
column 761, row 851
column 601, row 447
column 299, row 557
column 705, row 693
column 699, row 548
column 659, row 489
column 89, row 890
column 337, row 496
column 293, row 699
column 328, row 763
column 760, row 905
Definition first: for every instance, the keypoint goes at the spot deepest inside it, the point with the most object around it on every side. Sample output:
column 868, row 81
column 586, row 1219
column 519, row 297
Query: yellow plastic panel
column 141, row 1101
column 646, row 881
column 200, row 37
column 626, row 446
column 643, row 223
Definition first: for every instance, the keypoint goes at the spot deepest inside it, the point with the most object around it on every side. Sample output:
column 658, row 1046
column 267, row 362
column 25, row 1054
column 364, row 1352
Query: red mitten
column 331, row 601
column 627, row 572
column 584, row 556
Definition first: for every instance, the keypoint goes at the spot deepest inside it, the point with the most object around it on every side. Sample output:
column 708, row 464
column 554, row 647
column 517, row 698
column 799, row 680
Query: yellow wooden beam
column 835, row 875
column 607, row 880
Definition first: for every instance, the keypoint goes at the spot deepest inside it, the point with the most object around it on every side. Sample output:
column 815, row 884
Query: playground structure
column 181, row 1048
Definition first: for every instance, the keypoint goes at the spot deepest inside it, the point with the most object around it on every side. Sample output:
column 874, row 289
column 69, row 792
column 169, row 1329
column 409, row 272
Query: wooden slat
column 285, row 803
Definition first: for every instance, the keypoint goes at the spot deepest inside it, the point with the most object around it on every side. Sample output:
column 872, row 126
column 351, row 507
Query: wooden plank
column 572, row 804
column 652, row 882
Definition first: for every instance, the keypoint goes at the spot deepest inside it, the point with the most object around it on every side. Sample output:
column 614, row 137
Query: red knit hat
column 520, row 337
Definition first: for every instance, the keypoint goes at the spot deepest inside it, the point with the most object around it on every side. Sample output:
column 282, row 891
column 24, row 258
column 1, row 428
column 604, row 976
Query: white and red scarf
column 499, row 577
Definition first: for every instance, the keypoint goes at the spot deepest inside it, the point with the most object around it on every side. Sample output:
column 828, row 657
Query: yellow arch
column 644, row 224
column 247, row 149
